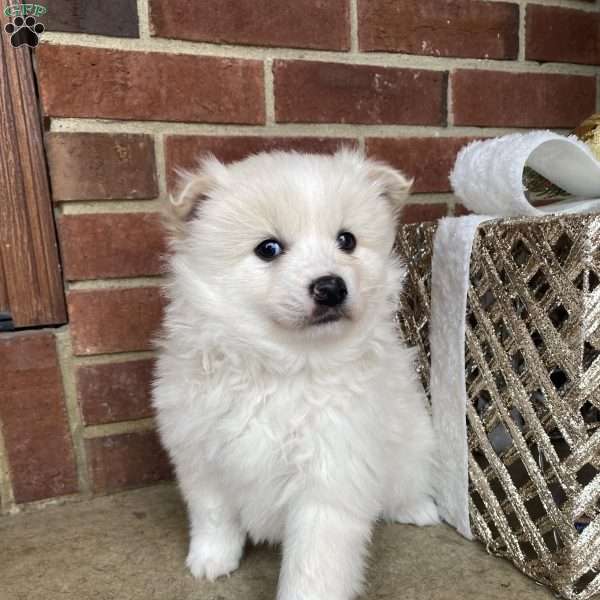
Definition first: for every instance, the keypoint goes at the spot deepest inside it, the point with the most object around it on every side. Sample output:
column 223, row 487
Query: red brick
column 118, row 84
column 463, row 28
column 111, row 245
column 117, row 18
column 114, row 320
column 101, row 166
column 182, row 151
column 33, row 418
column 113, row 392
column 126, row 460
column 428, row 160
column 416, row 213
column 492, row 98
column 323, row 92
column 289, row 23
column 562, row 35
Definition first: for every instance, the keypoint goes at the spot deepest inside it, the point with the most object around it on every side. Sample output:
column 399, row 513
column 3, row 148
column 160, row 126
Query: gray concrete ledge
column 132, row 546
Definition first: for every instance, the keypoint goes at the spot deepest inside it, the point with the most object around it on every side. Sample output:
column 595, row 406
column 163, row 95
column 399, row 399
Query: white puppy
column 289, row 407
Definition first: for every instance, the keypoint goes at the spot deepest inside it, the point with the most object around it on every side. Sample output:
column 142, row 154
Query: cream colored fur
column 280, row 429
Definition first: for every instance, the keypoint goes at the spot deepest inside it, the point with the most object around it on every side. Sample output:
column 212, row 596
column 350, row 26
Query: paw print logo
column 24, row 32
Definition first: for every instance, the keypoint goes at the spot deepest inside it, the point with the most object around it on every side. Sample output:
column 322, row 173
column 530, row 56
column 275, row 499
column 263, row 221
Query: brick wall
column 130, row 89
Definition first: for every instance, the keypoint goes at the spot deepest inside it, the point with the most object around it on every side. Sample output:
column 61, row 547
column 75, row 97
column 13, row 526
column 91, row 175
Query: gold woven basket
column 533, row 382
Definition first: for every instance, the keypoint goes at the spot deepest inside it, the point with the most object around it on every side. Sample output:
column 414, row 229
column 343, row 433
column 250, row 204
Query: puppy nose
column 329, row 290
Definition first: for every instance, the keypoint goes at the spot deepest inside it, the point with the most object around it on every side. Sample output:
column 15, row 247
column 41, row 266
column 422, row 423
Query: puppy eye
column 346, row 241
column 268, row 250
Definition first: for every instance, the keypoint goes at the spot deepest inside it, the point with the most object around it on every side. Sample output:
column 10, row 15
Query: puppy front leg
column 324, row 551
column 216, row 536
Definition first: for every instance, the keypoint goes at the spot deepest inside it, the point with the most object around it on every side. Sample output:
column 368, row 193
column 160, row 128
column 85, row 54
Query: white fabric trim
column 487, row 177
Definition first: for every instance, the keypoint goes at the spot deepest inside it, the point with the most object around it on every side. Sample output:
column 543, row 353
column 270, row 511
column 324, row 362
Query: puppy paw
column 422, row 512
column 213, row 557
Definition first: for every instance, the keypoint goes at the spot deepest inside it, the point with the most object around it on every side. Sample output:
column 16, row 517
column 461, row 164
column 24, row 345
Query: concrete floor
column 132, row 546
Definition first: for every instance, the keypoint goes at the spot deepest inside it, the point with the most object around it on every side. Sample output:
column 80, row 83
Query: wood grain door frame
column 31, row 286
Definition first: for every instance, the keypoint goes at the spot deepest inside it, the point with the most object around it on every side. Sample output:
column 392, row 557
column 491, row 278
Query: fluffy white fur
column 278, row 428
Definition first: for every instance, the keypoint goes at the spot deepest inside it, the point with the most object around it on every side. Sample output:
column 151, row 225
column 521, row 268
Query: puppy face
column 301, row 243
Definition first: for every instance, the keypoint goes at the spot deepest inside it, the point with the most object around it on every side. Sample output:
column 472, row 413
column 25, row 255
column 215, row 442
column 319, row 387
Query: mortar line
column 29, row 507
column 452, row 206
column 276, row 130
column 161, row 167
column 449, row 101
column 522, row 32
column 114, row 358
column 269, row 91
column 143, row 19
column 65, row 359
column 429, row 198
column 97, row 431
column 373, row 59
column 575, row 4
column 354, row 26
column 77, row 207
column 38, row 505
column 7, row 496
column 57, row 206
column 117, row 283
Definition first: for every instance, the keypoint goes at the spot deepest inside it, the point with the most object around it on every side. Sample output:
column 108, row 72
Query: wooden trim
column 28, row 250
column 4, row 303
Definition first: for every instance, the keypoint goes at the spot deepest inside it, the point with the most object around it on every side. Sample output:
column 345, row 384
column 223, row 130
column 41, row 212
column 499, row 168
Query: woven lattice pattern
column 533, row 382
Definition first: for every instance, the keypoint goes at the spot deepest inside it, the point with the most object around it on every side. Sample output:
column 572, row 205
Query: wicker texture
column 533, row 384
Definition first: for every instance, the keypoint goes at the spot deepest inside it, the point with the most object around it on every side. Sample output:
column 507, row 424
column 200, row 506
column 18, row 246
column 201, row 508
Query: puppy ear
column 192, row 189
column 389, row 182
column 392, row 183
